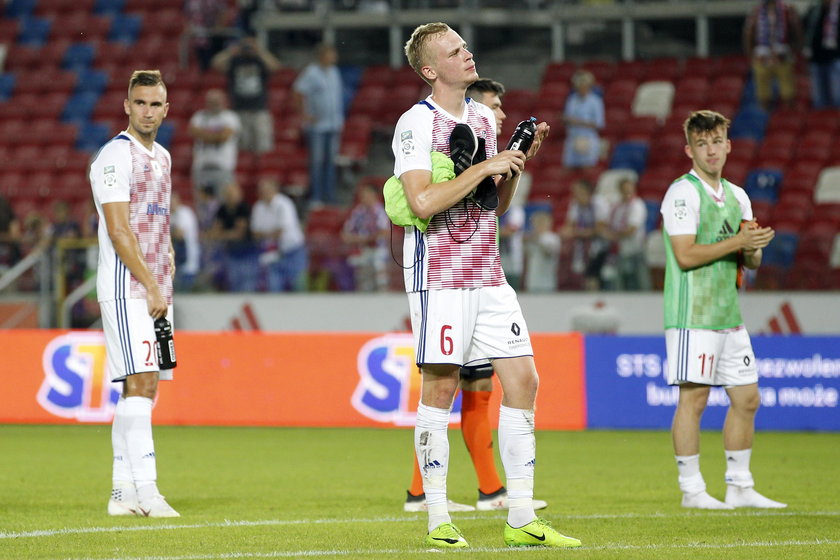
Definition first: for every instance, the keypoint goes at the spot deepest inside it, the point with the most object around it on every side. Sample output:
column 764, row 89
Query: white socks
column 690, row 479
column 738, row 468
column 121, row 472
column 431, row 442
column 134, row 420
column 517, row 447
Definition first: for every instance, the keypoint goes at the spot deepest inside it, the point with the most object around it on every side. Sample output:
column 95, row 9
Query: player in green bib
column 709, row 226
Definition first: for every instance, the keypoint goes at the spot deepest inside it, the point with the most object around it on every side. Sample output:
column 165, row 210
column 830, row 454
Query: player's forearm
column 695, row 254
column 752, row 259
column 128, row 250
column 434, row 198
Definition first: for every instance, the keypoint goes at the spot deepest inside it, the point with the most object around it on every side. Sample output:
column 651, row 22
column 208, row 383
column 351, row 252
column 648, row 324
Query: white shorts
column 719, row 358
column 130, row 341
column 468, row 326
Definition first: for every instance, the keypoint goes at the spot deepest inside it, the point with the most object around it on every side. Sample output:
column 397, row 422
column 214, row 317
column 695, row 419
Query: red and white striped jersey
column 125, row 171
column 459, row 249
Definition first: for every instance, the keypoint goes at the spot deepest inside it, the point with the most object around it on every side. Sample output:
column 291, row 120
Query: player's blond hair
column 145, row 78
column 702, row 122
column 416, row 48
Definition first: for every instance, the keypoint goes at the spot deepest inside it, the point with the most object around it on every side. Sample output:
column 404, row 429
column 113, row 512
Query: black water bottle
column 523, row 136
column 165, row 344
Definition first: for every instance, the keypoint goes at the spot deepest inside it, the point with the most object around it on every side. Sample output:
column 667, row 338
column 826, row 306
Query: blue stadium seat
column 764, row 184
column 20, row 8
column 165, row 134
column 91, row 80
column 630, row 155
column 34, row 31
column 92, row 135
column 79, row 107
column 7, row 86
column 653, row 215
column 781, row 251
column 750, row 122
column 108, row 7
column 125, row 28
column 78, row 56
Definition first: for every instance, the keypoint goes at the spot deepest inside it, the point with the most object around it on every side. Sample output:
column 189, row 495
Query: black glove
column 462, row 147
column 485, row 194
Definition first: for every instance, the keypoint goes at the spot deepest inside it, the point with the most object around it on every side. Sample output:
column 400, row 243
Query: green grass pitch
column 338, row 493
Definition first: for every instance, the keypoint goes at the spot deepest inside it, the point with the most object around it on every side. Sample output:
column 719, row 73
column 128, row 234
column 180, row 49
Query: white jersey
column 125, row 171
column 681, row 205
column 459, row 248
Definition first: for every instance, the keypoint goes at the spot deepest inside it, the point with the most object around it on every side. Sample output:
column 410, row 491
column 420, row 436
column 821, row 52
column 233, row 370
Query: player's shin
column 517, row 446
column 432, row 446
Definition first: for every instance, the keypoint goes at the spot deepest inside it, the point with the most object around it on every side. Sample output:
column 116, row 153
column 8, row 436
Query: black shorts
column 471, row 373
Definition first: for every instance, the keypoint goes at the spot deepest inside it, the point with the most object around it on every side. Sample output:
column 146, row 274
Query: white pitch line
column 400, row 519
column 403, row 553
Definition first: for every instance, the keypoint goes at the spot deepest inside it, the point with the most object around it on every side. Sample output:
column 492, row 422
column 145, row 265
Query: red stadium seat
column 815, row 145
column 558, row 72
column 636, row 70
column 668, row 69
column 602, row 70
column 620, row 93
column 703, row 67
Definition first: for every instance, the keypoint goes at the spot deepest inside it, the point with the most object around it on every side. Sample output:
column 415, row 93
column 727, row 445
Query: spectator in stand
column 772, row 38
column 584, row 118
column 276, row 229
column 215, row 131
column 232, row 231
column 542, row 246
column 184, row 228
column 822, row 42
column 367, row 231
column 64, row 226
column 9, row 235
column 207, row 208
column 248, row 67
column 207, row 27
column 586, row 217
column 626, row 231
column 319, row 97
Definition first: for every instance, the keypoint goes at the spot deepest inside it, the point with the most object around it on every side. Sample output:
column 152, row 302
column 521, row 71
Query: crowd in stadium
column 272, row 175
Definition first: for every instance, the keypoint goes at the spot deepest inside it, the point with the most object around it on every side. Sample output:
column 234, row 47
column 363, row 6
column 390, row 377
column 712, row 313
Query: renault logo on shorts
column 514, row 328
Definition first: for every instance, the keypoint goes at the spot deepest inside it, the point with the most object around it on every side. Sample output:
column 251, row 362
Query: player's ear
column 428, row 72
column 126, row 106
column 688, row 151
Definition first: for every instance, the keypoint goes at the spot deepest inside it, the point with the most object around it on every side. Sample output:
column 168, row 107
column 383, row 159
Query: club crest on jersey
column 76, row 382
column 389, row 383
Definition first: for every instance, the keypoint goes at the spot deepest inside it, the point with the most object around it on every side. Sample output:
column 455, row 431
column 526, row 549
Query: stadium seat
column 620, row 93
column 558, row 72
column 92, row 135
column 34, row 31
column 750, row 122
column 50, row 105
column 785, row 120
column 79, row 56
column 764, row 184
column 640, row 128
column 125, row 28
column 108, row 7
column 733, row 65
column 701, row 66
column 19, row 8
column 815, row 145
column 602, row 70
column 728, row 89
column 91, row 80
column 827, row 120
column 782, row 251
column 79, row 107
column 828, row 186
column 655, row 181
column 779, row 145
column 630, row 155
column 653, row 99
column 7, row 86
column 654, row 216
column 691, row 90
column 635, row 70
column 668, row 69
